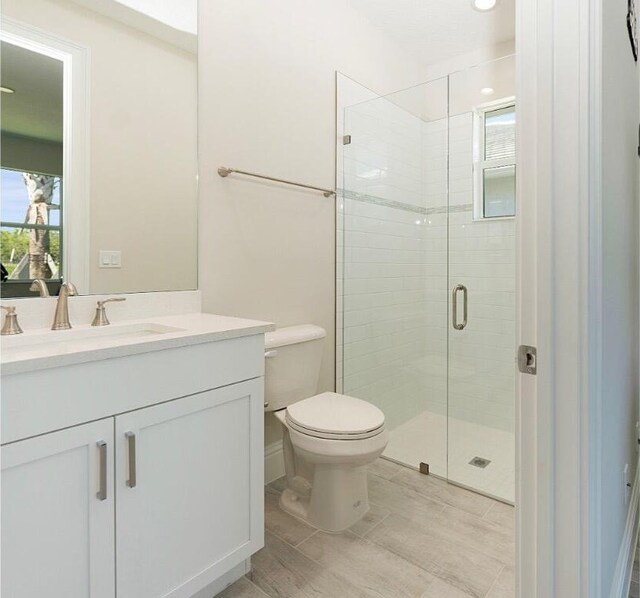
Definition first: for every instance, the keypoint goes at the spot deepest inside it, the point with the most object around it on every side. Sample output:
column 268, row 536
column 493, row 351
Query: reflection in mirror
column 98, row 167
column 31, row 173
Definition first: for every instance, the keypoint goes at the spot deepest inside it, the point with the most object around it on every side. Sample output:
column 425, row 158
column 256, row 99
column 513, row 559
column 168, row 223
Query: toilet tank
column 292, row 364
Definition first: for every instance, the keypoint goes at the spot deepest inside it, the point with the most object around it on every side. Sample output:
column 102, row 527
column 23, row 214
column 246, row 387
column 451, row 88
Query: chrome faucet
column 41, row 286
column 61, row 317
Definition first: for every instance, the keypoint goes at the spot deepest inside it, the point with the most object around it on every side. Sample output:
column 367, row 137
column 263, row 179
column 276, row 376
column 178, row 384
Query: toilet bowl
column 329, row 438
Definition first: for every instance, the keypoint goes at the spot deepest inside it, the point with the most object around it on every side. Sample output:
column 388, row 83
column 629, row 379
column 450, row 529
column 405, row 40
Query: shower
column 426, row 270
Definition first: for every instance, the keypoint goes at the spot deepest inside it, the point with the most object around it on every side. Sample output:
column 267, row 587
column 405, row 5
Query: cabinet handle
column 102, row 452
column 131, row 441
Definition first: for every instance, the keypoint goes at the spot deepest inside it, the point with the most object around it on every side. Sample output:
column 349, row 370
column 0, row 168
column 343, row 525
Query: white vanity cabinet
column 184, row 505
column 151, row 485
column 57, row 533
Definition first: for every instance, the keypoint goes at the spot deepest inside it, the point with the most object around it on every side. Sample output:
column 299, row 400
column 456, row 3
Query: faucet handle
column 10, row 325
column 100, row 318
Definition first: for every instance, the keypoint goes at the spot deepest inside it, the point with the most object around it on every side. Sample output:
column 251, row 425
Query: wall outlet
column 627, row 485
column 109, row 259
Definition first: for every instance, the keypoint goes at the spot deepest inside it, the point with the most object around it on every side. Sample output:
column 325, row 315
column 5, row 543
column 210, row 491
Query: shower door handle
column 454, row 306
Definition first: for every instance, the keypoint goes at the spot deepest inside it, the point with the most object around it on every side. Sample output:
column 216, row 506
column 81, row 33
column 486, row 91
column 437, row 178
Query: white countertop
column 43, row 348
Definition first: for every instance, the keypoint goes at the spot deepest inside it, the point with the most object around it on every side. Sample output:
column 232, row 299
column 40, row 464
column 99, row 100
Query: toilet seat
column 334, row 416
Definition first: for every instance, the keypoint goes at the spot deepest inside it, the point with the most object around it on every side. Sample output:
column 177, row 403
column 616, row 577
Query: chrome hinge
column 346, row 139
column 527, row 359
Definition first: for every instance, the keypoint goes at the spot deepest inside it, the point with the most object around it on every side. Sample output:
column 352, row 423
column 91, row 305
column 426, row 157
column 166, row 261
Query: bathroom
column 287, row 349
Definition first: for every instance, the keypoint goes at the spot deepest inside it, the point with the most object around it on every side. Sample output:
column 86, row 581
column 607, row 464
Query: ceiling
column 437, row 30
column 35, row 109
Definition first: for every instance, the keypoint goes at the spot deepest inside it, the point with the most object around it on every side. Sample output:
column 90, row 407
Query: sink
column 82, row 338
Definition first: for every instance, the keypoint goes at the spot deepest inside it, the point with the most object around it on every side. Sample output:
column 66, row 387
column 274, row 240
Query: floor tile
column 401, row 499
column 243, row 588
column 280, row 523
column 374, row 569
column 386, row 469
column 375, row 515
column 502, row 514
column 444, row 492
column 505, row 585
column 466, row 568
column 281, row 571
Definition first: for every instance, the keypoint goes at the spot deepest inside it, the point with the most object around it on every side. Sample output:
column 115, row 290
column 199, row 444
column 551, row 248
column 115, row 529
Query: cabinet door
column 189, row 490
column 57, row 514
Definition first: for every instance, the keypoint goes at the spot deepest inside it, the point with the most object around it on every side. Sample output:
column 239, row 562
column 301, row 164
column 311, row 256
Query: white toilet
column 329, row 439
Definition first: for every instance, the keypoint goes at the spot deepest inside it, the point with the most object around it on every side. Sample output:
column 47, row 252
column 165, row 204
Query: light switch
column 110, row 259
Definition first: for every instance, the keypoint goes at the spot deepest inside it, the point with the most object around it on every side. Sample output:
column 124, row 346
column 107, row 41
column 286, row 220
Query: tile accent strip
column 398, row 205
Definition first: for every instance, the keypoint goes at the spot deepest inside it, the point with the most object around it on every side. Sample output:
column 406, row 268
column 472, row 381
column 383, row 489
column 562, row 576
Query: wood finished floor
column 422, row 538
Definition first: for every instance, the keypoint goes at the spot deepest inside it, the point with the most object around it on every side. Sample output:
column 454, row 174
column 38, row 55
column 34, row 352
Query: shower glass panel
column 482, row 206
column 393, row 269
column 426, row 272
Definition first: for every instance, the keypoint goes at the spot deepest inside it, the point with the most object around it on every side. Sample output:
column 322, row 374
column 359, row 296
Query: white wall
column 143, row 155
column 620, row 280
column 267, row 104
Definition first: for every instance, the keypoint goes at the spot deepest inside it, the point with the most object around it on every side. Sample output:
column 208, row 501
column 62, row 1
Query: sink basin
column 81, row 338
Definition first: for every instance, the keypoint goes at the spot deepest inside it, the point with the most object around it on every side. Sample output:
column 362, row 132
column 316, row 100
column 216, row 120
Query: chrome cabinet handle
column 454, row 307
column 131, row 441
column 102, row 489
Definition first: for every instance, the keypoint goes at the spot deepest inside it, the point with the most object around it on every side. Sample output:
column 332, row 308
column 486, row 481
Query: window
column 494, row 161
column 30, row 226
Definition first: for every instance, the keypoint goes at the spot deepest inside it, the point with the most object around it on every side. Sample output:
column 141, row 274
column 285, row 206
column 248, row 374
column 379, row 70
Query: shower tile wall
column 393, row 267
column 482, row 257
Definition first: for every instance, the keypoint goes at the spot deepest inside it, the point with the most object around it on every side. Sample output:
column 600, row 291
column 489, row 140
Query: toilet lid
column 336, row 415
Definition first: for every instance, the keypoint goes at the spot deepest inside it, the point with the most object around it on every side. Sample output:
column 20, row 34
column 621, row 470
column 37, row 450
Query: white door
column 189, row 490
column 57, row 514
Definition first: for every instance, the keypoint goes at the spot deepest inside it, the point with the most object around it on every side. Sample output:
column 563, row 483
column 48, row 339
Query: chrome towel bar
column 223, row 171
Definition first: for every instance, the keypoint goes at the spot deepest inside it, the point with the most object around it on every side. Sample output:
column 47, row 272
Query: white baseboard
column 624, row 564
column 273, row 462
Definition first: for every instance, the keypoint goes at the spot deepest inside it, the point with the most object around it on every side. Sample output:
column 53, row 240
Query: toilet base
column 338, row 498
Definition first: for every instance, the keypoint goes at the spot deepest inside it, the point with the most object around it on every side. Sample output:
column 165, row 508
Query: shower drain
column 479, row 462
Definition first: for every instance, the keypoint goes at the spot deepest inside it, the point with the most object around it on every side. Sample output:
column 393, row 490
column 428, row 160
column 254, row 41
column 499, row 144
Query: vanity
column 132, row 457
column 131, row 449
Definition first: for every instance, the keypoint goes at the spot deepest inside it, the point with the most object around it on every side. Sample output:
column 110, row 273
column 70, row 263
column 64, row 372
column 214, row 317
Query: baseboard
column 273, row 462
column 624, row 564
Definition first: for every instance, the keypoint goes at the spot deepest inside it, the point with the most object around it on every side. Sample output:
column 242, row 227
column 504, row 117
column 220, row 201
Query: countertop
column 43, row 348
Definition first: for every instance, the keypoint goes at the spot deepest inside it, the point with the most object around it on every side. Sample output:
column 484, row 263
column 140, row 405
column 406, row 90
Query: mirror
column 98, row 118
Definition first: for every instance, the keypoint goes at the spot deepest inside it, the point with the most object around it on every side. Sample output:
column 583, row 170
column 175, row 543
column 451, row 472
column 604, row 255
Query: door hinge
column 346, row 139
column 527, row 359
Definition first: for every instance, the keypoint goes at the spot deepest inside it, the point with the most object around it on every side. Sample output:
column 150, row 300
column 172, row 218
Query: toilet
column 329, row 438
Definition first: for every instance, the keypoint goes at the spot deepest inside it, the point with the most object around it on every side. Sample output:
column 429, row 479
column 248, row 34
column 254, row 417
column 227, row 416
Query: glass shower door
column 481, row 248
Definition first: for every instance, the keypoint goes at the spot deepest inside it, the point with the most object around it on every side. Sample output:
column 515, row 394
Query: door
column 57, row 514
column 482, row 279
column 189, row 490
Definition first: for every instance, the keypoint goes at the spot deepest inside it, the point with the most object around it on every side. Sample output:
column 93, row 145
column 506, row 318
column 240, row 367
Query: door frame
column 559, row 258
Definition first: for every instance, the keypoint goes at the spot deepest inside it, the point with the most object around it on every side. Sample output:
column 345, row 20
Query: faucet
column 41, row 286
column 10, row 325
column 61, row 317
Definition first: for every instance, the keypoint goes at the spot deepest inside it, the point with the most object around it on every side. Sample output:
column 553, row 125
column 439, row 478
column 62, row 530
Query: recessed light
column 487, row 91
column 7, row 89
column 484, row 5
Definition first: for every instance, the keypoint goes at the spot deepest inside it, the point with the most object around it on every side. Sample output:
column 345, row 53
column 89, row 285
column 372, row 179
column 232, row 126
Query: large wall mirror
column 99, row 145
